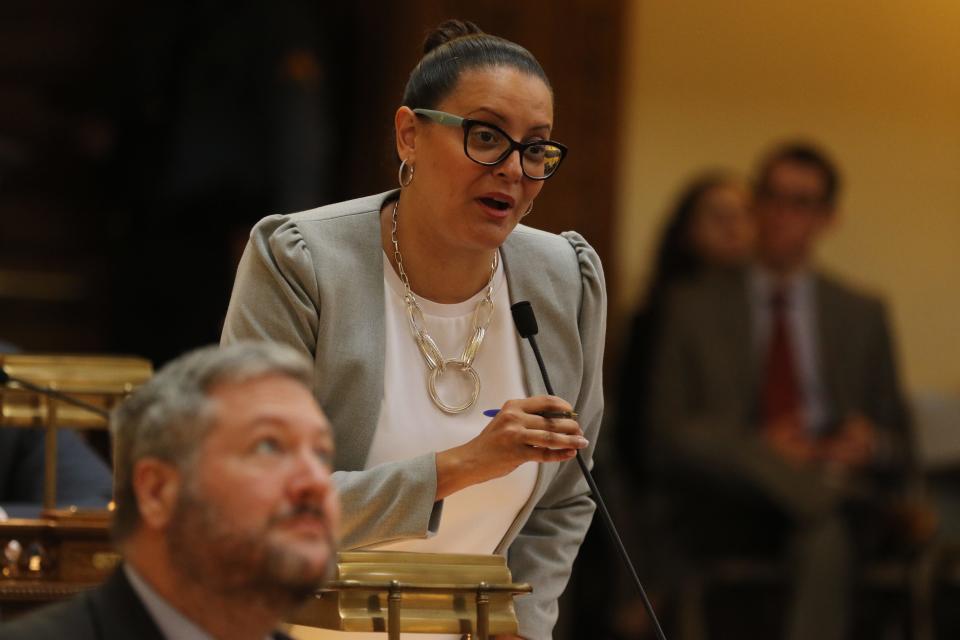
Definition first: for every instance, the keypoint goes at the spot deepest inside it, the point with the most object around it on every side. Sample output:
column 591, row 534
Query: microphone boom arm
column 6, row 378
column 527, row 327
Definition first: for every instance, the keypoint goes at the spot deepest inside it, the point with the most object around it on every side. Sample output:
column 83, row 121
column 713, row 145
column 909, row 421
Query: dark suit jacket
column 704, row 387
column 110, row 612
column 113, row 611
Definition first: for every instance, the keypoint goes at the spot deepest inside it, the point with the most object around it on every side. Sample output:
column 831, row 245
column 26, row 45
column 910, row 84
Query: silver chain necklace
column 437, row 365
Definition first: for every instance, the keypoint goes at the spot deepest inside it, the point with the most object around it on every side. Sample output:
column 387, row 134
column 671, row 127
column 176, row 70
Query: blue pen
column 490, row 413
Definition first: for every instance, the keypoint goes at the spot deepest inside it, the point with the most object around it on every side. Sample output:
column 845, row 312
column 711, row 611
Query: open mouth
column 494, row 203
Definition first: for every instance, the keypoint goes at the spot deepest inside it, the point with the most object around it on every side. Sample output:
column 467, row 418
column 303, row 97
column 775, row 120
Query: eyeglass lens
column 490, row 146
column 798, row 201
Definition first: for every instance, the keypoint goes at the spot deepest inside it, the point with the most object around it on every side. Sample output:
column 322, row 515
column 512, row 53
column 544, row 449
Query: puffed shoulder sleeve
column 592, row 322
column 592, row 327
column 275, row 295
column 544, row 551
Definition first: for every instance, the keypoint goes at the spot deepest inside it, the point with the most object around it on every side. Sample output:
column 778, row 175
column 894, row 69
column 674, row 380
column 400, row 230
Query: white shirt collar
column 172, row 623
column 762, row 283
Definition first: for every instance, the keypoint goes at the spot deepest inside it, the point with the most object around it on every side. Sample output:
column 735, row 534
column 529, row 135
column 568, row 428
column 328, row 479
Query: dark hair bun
column 447, row 31
column 452, row 48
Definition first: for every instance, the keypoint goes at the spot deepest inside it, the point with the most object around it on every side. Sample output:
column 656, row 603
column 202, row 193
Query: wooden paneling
column 95, row 97
column 54, row 143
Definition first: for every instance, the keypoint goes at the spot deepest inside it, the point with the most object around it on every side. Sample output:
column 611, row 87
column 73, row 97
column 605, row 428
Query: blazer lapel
column 829, row 342
column 731, row 331
column 120, row 612
column 552, row 305
column 354, row 335
column 521, row 289
column 371, row 341
column 747, row 365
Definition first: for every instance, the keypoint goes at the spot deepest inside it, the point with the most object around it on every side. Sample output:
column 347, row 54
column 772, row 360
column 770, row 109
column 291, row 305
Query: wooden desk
column 53, row 557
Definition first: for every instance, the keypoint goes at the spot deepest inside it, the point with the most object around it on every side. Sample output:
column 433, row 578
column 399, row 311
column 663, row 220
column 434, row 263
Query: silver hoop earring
column 404, row 165
column 528, row 211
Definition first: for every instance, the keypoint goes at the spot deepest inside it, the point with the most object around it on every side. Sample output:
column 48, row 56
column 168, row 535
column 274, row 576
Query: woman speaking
column 402, row 300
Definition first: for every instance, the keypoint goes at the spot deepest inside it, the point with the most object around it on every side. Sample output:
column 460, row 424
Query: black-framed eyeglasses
column 796, row 201
column 489, row 145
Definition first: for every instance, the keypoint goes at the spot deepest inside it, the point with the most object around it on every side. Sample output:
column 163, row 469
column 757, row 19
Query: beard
column 245, row 564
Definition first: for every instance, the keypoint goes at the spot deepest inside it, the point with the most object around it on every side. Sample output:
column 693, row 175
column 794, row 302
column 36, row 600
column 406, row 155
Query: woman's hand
column 516, row 435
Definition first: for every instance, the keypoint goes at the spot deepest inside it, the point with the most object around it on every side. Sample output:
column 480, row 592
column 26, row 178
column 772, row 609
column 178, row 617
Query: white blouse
column 475, row 519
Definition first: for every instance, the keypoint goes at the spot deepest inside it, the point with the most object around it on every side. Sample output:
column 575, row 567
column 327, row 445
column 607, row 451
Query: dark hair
column 803, row 153
column 675, row 261
column 675, row 257
column 452, row 48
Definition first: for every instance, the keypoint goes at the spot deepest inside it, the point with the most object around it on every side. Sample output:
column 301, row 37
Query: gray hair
column 169, row 416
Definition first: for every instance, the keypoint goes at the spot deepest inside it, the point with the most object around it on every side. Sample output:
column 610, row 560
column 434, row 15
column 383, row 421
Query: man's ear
column 405, row 124
column 157, row 486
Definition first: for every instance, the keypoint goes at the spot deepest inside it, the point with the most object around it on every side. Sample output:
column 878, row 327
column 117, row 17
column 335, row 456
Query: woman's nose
column 511, row 166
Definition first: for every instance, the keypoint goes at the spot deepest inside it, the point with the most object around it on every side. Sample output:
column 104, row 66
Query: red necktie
column 781, row 390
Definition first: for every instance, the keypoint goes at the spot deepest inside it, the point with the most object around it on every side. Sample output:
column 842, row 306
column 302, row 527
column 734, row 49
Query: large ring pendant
column 467, row 370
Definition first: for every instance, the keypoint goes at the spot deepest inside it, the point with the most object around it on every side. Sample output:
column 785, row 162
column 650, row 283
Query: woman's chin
column 495, row 232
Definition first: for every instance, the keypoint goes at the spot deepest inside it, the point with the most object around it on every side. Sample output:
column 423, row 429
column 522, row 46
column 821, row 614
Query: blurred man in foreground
column 226, row 514
column 777, row 399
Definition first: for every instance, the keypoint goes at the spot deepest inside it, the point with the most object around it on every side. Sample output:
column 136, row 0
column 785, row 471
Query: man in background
column 777, row 403
column 83, row 478
column 226, row 513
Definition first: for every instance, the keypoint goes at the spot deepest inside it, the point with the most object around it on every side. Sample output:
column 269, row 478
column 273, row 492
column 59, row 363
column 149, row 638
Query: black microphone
column 6, row 379
column 526, row 322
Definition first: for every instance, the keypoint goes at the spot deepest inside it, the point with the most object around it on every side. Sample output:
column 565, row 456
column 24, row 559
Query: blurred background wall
column 135, row 133
column 139, row 141
column 877, row 83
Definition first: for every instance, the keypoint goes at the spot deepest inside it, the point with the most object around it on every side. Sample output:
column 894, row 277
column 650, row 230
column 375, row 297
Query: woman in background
column 709, row 227
column 402, row 300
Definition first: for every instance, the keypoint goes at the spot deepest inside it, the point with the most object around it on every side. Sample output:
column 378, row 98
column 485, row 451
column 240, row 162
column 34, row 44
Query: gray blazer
column 314, row 280
column 704, row 387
